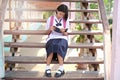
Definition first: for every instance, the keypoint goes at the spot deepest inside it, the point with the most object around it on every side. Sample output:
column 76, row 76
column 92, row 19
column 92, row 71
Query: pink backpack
column 51, row 22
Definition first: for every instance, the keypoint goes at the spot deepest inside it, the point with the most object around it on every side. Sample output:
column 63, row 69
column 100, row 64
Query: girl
column 57, row 43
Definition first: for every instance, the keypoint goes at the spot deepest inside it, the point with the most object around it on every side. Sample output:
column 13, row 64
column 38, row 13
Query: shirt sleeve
column 48, row 24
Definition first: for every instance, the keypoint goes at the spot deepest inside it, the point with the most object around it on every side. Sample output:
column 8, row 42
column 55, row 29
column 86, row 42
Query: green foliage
column 98, row 38
column 96, row 15
column 78, row 15
column 108, row 6
column 78, row 27
column 77, row 5
column 110, row 20
column 46, row 15
column 93, row 6
column 79, row 38
column 94, row 28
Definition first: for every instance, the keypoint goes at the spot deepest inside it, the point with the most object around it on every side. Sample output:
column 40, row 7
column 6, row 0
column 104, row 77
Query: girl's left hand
column 62, row 30
column 65, row 34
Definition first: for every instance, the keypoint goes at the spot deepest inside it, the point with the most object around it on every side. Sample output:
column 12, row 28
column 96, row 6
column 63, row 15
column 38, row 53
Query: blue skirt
column 57, row 46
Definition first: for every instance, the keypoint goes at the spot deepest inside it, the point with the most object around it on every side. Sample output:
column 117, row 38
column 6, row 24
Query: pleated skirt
column 57, row 46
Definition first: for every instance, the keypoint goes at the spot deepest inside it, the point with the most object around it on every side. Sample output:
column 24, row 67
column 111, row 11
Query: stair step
column 42, row 45
column 43, row 32
column 42, row 60
column 70, row 75
column 81, row 10
column 44, row 21
column 90, row 1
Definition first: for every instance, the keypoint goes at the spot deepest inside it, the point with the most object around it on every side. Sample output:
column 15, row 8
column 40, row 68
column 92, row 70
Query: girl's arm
column 65, row 33
column 63, row 30
column 50, row 30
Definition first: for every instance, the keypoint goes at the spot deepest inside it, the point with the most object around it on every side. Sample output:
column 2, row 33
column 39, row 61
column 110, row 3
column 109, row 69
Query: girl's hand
column 52, row 28
column 62, row 30
column 65, row 34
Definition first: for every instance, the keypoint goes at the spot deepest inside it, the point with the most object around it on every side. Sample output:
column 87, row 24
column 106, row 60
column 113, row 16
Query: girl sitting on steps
column 57, row 42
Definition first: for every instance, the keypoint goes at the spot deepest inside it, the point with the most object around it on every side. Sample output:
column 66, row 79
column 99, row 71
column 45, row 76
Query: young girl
column 57, row 43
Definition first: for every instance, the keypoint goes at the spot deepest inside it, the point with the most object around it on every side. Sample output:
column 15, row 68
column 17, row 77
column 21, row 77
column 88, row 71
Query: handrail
column 2, row 16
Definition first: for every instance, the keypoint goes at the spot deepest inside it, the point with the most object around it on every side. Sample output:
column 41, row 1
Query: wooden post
column 107, row 41
column 115, row 58
column 10, row 15
column 2, row 14
column 83, row 50
column 17, row 26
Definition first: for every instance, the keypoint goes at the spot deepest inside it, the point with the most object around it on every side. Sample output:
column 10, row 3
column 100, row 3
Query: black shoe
column 48, row 74
column 59, row 74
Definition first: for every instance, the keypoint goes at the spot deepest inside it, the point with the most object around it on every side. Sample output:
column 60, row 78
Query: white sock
column 60, row 68
column 48, row 67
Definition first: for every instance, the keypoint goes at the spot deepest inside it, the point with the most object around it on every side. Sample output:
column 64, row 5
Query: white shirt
column 54, row 34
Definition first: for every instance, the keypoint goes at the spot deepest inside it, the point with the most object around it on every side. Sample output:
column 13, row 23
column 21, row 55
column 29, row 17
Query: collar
column 58, row 20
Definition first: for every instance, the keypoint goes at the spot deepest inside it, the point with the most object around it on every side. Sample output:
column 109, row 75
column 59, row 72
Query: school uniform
column 57, row 43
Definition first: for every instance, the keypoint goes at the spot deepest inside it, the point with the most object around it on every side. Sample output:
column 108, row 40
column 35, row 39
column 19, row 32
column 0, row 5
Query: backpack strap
column 64, row 23
column 51, row 20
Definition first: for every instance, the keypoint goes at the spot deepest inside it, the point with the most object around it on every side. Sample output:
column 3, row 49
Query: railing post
column 107, row 41
column 2, row 72
column 2, row 14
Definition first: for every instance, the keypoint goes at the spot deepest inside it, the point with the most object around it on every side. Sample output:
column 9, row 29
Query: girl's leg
column 60, row 71
column 48, row 69
column 49, row 58
column 60, row 59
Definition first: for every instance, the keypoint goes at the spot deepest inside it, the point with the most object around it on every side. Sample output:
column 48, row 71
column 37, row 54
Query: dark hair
column 63, row 8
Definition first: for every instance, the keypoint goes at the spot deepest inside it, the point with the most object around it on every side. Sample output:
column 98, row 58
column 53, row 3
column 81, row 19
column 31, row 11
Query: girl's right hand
column 52, row 28
column 62, row 30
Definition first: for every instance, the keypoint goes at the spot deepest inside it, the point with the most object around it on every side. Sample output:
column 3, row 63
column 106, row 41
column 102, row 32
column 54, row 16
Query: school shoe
column 61, row 73
column 48, row 74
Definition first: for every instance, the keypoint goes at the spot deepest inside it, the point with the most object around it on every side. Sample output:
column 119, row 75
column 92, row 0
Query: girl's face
column 60, row 14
